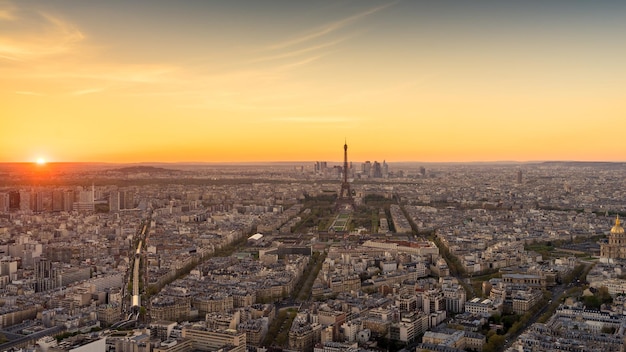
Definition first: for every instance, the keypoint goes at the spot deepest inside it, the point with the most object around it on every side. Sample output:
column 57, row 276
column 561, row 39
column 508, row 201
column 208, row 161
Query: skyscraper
column 25, row 200
column 366, row 168
column 377, row 171
column 4, row 202
column 114, row 201
column 14, row 200
column 85, row 201
column 68, row 200
column 127, row 199
column 36, row 203
column 57, row 200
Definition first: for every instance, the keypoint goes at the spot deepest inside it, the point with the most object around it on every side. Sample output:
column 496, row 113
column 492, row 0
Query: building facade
column 615, row 248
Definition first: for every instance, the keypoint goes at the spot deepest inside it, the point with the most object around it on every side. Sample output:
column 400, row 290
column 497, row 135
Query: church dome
column 617, row 229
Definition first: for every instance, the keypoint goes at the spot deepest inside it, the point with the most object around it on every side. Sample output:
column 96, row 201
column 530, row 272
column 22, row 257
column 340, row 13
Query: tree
column 592, row 302
column 494, row 343
column 496, row 318
column 604, row 296
column 599, row 298
column 608, row 330
column 509, row 320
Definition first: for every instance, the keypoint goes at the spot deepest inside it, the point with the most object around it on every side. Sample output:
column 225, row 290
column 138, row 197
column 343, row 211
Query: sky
column 235, row 81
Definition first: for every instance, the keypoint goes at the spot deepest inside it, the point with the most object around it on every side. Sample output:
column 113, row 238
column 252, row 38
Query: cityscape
column 318, row 256
column 312, row 176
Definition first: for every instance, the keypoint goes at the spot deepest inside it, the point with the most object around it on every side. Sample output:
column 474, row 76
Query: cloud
column 84, row 72
column 382, row 92
column 314, row 119
column 299, row 63
column 7, row 11
column 47, row 36
column 67, row 32
column 121, row 73
column 287, row 49
column 46, row 48
column 6, row 15
column 8, row 58
column 21, row 92
column 327, row 29
column 298, row 52
column 87, row 91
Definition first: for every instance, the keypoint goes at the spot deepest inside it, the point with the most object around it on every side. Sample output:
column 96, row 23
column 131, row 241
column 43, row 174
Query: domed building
column 616, row 246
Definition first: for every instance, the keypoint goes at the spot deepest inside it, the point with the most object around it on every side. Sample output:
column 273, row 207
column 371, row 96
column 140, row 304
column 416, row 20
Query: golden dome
column 617, row 229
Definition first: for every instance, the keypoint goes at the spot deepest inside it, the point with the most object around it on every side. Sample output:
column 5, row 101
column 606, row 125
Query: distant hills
column 142, row 169
column 584, row 163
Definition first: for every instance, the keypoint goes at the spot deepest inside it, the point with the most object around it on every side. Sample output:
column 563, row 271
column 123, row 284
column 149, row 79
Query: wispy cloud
column 49, row 35
column 299, row 52
column 293, row 48
column 93, row 73
column 45, row 47
column 22, row 92
column 68, row 33
column 7, row 11
column 123, row 73
column 52, row 49
column 314, row 119
column 6, row 15
column 327, row 29
column 299, row 63
column 87, row 91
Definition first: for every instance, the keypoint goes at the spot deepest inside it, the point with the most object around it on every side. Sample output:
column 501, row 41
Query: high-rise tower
column 345, row 200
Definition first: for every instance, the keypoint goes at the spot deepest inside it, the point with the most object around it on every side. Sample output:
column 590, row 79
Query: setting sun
column 41, row 161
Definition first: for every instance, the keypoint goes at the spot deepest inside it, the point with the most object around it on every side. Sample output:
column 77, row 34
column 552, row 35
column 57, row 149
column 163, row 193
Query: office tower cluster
column 367, row 170
column 37, row 200
column 121, row 200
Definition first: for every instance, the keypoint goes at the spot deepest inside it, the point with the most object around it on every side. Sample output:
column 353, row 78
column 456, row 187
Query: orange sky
column 181, row 81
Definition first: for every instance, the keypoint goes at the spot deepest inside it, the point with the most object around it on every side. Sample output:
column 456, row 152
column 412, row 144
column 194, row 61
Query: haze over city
column 239, row 81
column 315, row 176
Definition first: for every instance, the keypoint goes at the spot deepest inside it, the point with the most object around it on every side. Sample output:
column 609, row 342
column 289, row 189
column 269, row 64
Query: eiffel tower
column 345, row 200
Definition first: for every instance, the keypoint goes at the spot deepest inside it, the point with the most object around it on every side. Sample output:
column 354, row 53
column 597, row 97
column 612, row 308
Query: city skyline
column 247, row 81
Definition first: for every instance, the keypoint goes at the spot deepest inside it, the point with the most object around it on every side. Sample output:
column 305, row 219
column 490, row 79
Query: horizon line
column 319, row 160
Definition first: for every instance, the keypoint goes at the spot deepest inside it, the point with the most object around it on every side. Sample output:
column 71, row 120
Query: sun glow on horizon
column 40, row 161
